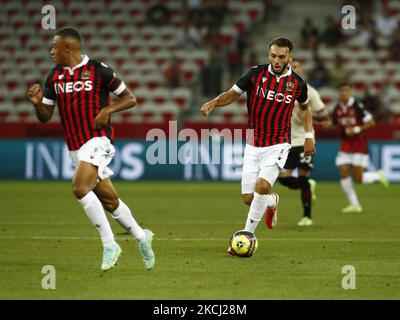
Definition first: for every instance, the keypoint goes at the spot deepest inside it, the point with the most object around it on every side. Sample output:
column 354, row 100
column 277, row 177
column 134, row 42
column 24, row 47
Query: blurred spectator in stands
column 172, row 73
column 332, row 35
column 191, row 35
column 394, row 45
column 338, row 73
column 386, row 23
column 373, row 104
column 319, row 74
column 253, row 59
column 211, row 75
column 194, row 8
column 214, row 13
column 309, row 35
column 158, row 14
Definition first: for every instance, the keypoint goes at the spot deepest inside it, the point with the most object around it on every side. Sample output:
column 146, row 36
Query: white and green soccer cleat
column 313, row 185
column 351, row 208
column 111, row 254
column 305, row 221
column 146, row 250
column 382, row 179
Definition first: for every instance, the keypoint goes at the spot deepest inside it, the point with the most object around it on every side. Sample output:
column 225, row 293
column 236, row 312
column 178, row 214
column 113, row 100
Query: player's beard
column 282, row 70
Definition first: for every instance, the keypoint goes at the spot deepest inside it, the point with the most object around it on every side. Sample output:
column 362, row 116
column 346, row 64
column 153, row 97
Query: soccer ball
column 244, row 243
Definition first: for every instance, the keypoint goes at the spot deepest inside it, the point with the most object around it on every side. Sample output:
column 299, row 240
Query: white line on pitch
column 202, row 239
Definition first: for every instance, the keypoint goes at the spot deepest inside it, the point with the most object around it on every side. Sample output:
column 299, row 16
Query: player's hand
column 352, row 131
column 309, row 147
column 207, row 108
column 102, row 118
column 35, row 94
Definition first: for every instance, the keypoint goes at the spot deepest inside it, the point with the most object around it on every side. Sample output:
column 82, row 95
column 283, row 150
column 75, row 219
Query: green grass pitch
column 42, row 224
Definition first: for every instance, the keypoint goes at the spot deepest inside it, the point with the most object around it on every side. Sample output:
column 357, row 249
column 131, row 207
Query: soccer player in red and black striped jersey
column 351, row 121
column 80, row 87
column 271, row 90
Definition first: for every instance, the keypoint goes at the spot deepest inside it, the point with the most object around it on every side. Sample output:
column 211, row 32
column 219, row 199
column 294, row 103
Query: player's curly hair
column 282, row 42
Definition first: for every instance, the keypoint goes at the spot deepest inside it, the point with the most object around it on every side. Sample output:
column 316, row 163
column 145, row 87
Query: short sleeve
column 110, row 80
column 243, row 84
column 49, row 95
column 365, row 115
column 303, row 96
column 316, row 102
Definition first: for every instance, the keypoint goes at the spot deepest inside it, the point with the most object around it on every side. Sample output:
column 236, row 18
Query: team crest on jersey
column 86, row 74
column 289, row 86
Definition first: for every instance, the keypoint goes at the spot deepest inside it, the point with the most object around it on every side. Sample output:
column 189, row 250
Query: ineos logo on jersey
column 272, row 95
column 69, row 87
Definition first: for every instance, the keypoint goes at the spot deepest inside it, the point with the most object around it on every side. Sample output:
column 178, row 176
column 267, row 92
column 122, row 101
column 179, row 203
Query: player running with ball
column 272, row 90
column 80, row 87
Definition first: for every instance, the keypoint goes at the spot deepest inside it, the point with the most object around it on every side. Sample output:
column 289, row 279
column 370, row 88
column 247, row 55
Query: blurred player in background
column 271, row 92
column 352, row 121
column 80, row 87
column 297, row 159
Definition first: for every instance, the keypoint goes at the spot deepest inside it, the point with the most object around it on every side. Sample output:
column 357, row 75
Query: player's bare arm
column 126, row 100
column 223, row 99
column 351, row 131
column 35, row 95
column 309, row 146
column 321, row 116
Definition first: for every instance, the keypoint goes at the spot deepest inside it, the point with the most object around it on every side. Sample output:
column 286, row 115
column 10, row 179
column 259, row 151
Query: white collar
column 287, row 73
column 84, row 61
column 349, row 103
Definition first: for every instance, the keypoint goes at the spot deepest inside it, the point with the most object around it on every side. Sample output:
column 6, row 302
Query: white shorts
column 263, row 162
column 355, row 159
column 98, row 151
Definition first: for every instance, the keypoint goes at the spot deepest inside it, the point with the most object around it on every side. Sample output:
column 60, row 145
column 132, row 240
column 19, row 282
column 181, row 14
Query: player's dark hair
column 345, row 84
column 69, row 32
column 282, row 42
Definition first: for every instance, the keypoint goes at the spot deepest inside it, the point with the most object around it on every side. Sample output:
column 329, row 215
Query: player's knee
column 248, row 198
column 304, row 183
column 357, row 178
column 80, row 190
column 262, row 186
column 110, row 205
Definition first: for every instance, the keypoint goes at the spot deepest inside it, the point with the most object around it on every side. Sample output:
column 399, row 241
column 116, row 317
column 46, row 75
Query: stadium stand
column 118, row 33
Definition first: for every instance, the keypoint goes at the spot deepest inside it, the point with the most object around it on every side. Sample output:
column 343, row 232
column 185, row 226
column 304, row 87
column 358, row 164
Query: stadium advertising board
column 144, row 160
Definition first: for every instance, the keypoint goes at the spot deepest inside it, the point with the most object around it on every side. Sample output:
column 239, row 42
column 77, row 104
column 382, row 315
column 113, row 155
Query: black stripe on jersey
column 72, row 115
column 263, row 107
column 92, row 105
column 86, row 105
column 97, row 91
column 78, row 106
column 68, row 118
column 253, row 106
column 61, row 106
column 271, row 113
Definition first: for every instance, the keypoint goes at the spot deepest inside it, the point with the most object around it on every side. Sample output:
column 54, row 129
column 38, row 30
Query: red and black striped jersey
column 350, row 115
column 270, row 102
column 80, row 93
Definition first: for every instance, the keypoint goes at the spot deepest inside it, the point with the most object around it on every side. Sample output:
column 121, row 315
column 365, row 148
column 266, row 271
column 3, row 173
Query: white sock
column 348, row 188
column 257, row 209
column 94, row 210
column 124, row 217
column 370, row 177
